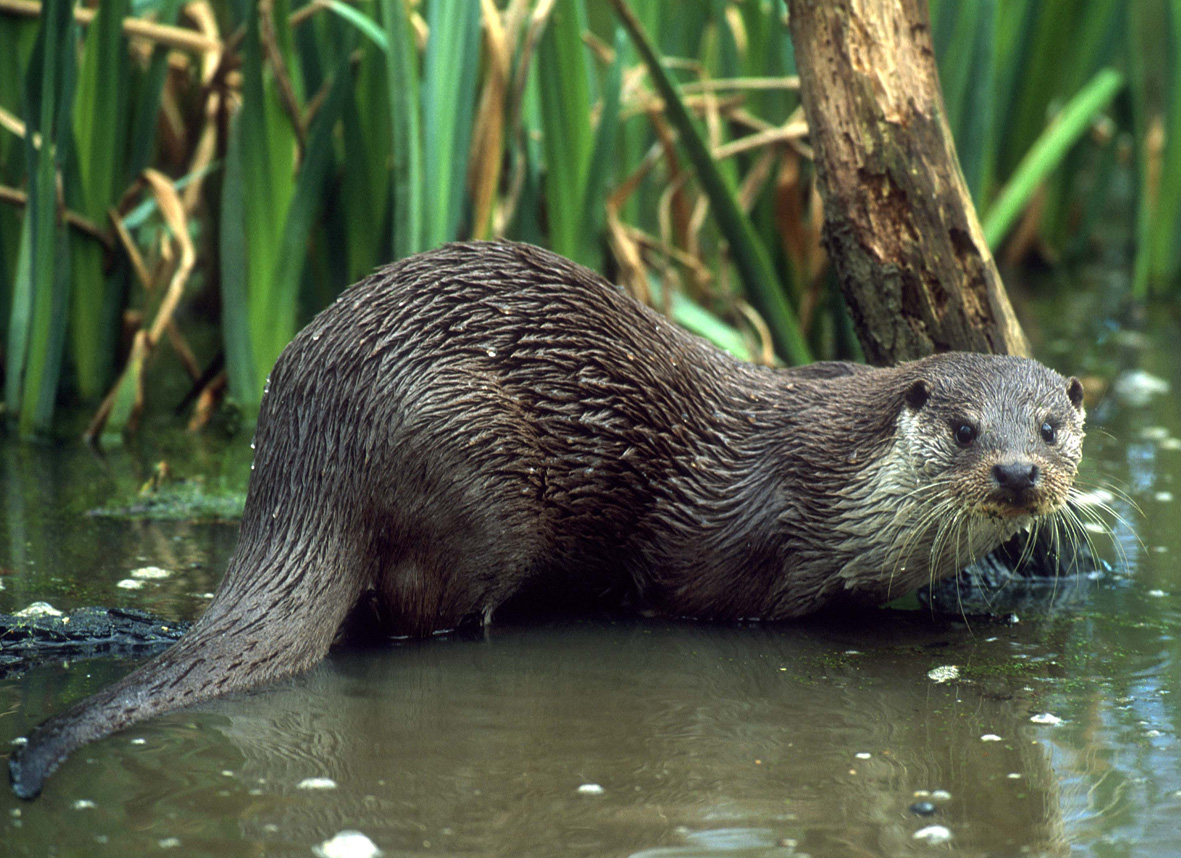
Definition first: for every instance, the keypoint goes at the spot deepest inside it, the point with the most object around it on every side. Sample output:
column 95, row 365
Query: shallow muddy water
column 1056, row 734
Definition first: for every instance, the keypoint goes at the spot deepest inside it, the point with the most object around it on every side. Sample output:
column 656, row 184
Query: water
column 703, row 740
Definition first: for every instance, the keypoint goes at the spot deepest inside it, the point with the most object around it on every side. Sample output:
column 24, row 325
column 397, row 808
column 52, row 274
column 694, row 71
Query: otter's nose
column 1015, row 477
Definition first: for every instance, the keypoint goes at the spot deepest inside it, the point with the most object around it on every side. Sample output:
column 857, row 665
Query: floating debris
column 923, row 808
column 1046, row 718
column 150, row 573
column 39, row 635
column 38, row 609
column 347, row 844
column 933, row 834
column 130, row 584
column 317, row 783
column 83, row 804
column 991, row 737
column 945, row 673
column 590, row 789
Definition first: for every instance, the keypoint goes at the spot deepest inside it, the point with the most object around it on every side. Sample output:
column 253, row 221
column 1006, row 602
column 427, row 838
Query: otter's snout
column 1016, row 479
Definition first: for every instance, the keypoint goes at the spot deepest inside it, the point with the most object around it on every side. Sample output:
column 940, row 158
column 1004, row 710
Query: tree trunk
column 899, row 227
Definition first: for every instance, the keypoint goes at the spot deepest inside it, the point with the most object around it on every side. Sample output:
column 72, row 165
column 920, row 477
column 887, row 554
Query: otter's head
column 1001, row 436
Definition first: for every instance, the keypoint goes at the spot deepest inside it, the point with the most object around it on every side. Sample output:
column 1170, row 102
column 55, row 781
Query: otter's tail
column 249, row 636
column 157, row 687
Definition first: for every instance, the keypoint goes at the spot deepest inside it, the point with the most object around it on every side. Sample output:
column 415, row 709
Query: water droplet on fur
column 491, row 352
column 316, row 336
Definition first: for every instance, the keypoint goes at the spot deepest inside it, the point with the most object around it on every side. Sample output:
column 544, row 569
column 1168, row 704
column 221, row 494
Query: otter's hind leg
column 428, row 592
column 456, row 523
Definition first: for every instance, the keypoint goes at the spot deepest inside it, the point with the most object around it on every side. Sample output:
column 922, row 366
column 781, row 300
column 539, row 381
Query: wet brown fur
column 484, row 420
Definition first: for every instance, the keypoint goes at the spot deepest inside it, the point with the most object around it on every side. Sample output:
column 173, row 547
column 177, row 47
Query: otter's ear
column 1074, row 390
column 917, row 395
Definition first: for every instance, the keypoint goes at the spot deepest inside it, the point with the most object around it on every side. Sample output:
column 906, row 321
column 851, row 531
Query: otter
column 486, row 421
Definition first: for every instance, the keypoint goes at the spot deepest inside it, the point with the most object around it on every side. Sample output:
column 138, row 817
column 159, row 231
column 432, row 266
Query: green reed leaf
column 450, row 68
column 402, row 93
column 564, row 89
column 245, row 385
column 48, row 95
column 1048, row 151
column 370, row 28
column 750, row 256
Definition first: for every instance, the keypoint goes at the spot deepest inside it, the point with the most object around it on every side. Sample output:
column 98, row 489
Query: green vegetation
column 1065, row 111
column 281, row 150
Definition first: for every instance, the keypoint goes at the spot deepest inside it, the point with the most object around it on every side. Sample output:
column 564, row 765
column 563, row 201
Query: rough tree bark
column 900, row 227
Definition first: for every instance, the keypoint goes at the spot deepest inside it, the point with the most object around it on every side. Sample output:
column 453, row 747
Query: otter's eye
column 965, row 433
column 1049, row 432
